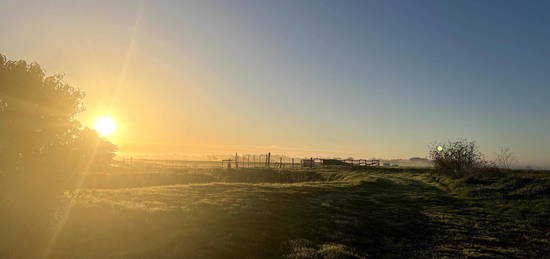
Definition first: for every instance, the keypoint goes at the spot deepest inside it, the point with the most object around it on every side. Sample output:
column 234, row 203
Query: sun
column 105, row 126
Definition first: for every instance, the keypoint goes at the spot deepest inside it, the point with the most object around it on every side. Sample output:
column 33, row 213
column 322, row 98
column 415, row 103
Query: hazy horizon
column 274, row 129
column 308, row 78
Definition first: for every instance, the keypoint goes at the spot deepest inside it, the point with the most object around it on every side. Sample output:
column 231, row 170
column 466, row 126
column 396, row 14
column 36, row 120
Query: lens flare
column 105, row 126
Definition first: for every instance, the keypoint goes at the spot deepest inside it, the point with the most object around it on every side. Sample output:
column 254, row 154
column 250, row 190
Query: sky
column 304, row 78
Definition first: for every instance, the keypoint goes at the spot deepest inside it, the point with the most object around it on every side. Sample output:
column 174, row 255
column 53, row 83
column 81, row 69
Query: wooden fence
column 260, row 161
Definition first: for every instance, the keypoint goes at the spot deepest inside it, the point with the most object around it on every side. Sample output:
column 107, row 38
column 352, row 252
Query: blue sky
column 364, row 78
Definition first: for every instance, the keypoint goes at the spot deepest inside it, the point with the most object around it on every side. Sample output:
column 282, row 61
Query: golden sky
column 204, row 77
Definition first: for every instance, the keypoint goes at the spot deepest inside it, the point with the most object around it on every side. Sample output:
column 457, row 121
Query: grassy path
column 354, row 214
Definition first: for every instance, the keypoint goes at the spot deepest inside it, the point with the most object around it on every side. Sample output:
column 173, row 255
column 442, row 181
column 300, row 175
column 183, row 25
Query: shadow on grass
column 193, row 176
column 327, row 220
column 379, row 218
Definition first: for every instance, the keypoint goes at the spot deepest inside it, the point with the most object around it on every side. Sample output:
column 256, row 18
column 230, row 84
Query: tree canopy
column 44, row 150
column 41, row 140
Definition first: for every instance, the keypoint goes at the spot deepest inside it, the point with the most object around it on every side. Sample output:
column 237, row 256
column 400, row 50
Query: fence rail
column 257, row 161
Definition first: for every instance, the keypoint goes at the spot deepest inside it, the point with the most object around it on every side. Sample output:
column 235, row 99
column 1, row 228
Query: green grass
column 325, row 213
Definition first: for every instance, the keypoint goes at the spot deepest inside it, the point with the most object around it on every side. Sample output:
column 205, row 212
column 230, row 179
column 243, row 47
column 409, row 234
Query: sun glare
column 105, row 126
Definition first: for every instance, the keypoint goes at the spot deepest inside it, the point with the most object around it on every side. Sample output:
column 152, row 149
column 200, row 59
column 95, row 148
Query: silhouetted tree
column 42, row 148
column 505, row 158
column 97, row 152
column 458, row 158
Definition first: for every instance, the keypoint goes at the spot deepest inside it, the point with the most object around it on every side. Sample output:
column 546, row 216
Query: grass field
column 324, row 213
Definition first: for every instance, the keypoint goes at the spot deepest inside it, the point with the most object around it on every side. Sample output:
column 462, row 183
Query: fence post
column 268, row 159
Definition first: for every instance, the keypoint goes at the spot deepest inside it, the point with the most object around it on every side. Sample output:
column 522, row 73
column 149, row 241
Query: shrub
column 505, row 159
column 460, row 158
